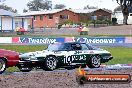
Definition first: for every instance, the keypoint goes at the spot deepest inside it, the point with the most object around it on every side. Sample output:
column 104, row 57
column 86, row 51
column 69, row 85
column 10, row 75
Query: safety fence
column 43, row 40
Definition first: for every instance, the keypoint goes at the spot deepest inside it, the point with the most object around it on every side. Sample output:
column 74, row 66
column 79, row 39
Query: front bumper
column 106, row 58
column 30, row 63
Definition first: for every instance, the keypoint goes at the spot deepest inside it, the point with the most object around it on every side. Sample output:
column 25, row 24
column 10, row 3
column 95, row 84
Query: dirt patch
column 54, row 79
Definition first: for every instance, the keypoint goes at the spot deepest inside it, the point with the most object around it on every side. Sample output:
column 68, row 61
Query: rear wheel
column 2, row 65
column 50, row 63
column 94, row 61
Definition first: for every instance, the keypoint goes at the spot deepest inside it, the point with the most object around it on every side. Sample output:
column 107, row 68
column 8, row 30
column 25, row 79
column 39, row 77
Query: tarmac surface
column 106, row 30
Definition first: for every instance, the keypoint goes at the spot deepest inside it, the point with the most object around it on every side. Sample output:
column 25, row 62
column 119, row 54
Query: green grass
column 23, row 48
column 121, row 55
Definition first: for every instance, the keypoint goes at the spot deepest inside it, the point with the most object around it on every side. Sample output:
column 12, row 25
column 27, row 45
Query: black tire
column 94, row 62
column 2, row 65
column 50, row 63
column 25, row 69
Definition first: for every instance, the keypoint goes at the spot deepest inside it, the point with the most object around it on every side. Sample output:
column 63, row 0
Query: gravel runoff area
column 55, row 79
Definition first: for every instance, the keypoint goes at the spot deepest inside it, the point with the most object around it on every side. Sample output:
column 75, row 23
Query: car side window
column 76, row 46
column 67, row 47
column 91, row 47
column 84, row 47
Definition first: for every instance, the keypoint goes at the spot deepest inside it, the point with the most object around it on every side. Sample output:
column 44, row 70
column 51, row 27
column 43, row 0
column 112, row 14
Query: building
column 51, row 18
column 9, row 21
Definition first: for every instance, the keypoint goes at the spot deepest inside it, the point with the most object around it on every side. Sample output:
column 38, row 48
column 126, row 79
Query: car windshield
column 55, row 47
column 91, row 47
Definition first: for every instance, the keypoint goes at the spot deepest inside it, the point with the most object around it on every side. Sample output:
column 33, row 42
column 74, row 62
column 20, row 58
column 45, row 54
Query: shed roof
column 58, row 10
column 83, row 10
column 7, row 13
column 42, row 12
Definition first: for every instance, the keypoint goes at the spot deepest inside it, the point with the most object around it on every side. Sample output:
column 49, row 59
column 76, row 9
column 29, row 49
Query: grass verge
column 121, row 55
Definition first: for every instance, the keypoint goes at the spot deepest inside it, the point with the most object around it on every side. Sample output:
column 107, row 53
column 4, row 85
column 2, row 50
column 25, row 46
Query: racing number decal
column 77, row 52
column 72, row 58
column 67, row 59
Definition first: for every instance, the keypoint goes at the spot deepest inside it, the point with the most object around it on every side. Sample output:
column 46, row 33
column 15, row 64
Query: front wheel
column 2, row 65
column 50, row 63
column 94, row 62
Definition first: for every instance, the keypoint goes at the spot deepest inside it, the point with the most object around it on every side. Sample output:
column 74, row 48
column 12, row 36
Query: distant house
column 96, row 14
column 9, row 21
column 51, row 18
column 119, row 16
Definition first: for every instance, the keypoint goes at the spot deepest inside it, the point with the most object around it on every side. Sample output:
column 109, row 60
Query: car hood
column 35, row 54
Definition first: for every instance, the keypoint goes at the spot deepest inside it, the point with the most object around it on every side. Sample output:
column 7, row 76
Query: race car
column 8, row 58
column 69, row 54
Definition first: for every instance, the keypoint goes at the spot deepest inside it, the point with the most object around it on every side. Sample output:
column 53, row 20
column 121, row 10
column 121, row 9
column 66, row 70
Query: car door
column 81, row 54
column 68, row 53
column 75, row 55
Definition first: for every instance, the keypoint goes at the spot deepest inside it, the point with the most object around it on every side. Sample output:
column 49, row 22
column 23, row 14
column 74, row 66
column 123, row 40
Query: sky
column 74, row 4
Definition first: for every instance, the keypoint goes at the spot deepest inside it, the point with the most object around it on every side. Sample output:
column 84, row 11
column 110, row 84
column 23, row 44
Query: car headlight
column 27, row 56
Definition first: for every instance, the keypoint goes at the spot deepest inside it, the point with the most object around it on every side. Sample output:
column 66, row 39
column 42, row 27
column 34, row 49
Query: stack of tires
column 83, row 30
column 20, row 31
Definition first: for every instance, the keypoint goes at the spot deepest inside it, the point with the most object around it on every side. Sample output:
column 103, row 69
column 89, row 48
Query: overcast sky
column 74, row 4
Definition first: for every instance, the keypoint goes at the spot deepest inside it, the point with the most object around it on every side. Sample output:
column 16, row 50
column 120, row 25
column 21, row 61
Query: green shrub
column 114, row 21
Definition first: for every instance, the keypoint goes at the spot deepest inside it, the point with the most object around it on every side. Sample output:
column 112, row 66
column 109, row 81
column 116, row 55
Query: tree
column 118, row 8
column 90, row 7
column 25, row 10
column 59, row 6
column 2, row 0
column 126, row 7
column 5, row 7
column 37, row 5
